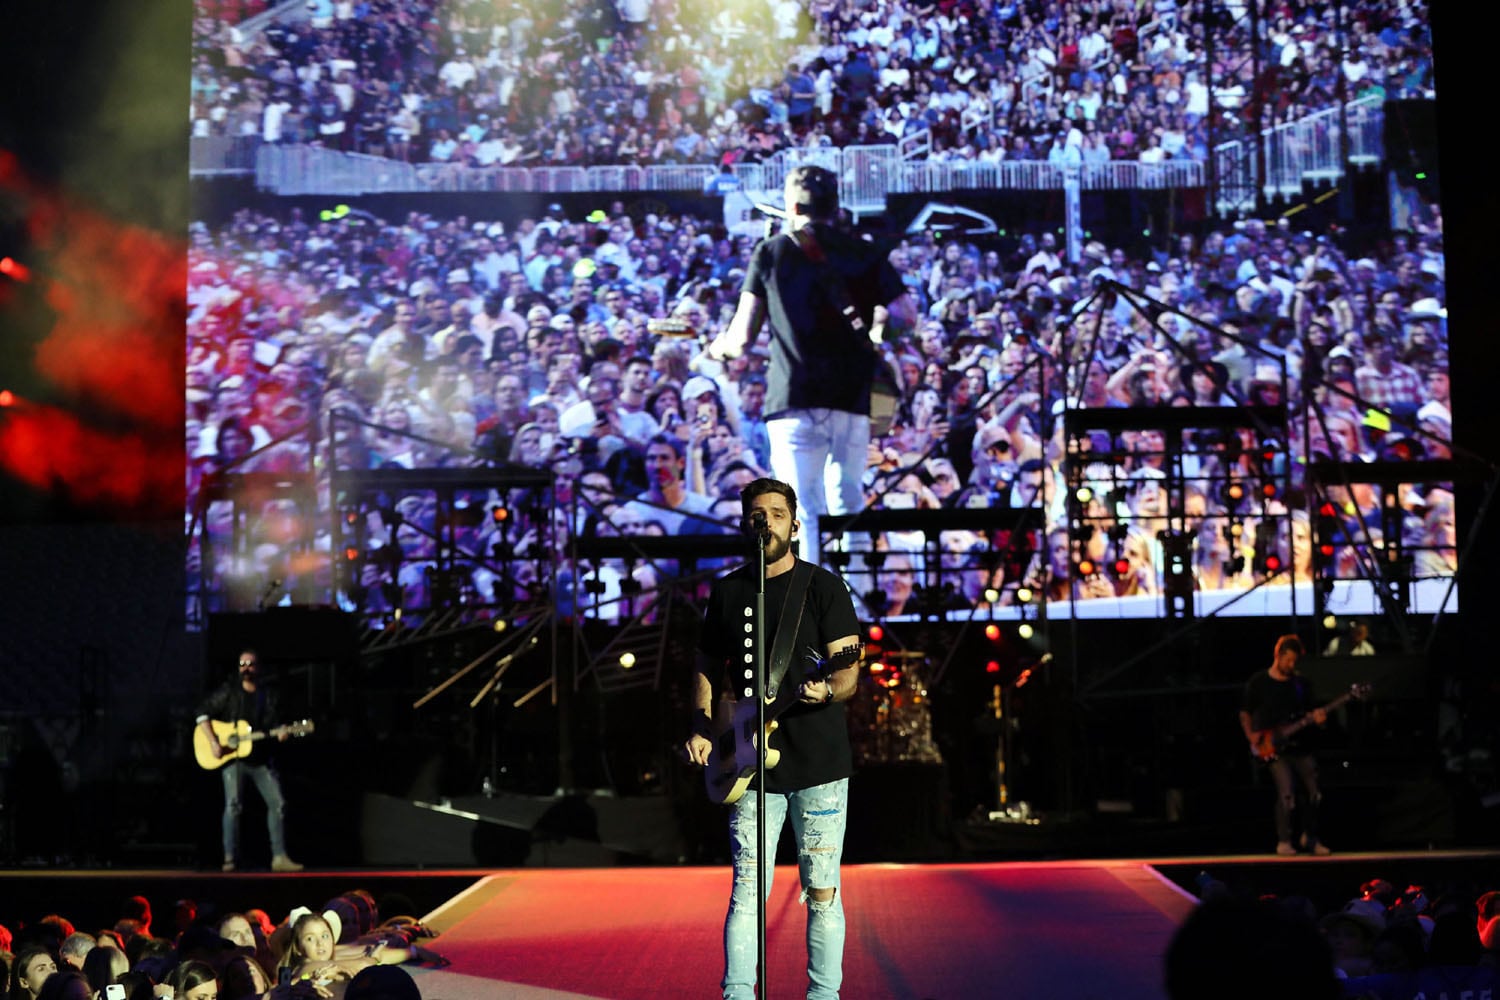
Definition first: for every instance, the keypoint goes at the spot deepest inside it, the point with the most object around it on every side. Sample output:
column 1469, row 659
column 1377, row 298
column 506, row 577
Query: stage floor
column 1070, row 929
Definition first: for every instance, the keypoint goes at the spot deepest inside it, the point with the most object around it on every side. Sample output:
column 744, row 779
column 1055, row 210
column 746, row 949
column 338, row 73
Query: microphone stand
column 760, row 762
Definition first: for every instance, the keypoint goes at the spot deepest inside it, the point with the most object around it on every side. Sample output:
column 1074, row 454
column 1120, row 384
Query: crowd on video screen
column 572, row 342
column 577, row 346
column 496, row 83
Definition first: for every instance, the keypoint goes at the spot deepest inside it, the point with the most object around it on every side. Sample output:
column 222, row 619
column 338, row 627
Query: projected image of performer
column 1275, row 700
column 817, row 404
column 809, row 782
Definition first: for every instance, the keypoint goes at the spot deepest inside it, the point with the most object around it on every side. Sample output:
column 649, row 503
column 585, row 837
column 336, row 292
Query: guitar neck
column 1296, row 727
column 821, row 671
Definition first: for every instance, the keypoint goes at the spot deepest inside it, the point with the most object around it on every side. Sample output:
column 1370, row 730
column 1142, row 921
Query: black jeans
column 1284, row 770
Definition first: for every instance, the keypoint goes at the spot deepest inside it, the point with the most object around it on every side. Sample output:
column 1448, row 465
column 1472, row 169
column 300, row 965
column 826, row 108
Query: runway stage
column 1067, row 929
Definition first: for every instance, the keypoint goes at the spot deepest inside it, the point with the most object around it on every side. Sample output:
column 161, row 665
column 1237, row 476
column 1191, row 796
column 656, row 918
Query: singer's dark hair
column 762, row 486
column 814, row 190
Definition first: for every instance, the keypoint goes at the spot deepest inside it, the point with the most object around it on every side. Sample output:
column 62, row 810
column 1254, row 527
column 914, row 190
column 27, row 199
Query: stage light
column 501, row 625
column 1024, row 594
column 992, row 632
column 1235, row 492
column 876, row 633
column 351, row 517
column 14, row 269
column 7, row 398
column 1325, row 531
column 1086, row 567
column 1330, row 622
column 499, row 514
column 1084, row 494
column 627, row 660
column 1268, row 490
column 992, row 667
column 1122, row 566
column 991, row 595
column 1025, row 631
column 351, row 554
column 1273, row 564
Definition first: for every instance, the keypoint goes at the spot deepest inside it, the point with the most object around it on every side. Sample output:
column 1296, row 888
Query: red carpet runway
column 1059, row 929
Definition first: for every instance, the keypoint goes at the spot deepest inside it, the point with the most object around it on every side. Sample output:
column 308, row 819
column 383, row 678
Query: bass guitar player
column 1276, row 701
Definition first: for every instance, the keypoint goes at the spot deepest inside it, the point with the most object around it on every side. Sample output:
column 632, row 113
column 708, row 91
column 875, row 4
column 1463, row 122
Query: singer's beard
column 777, row 547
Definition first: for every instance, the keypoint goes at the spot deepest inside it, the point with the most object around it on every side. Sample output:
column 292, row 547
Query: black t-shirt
column 1274, row 703
column 813, row 739
column 817, row 359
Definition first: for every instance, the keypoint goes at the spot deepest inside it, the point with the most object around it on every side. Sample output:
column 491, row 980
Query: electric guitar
column 237, row 739
column 1266, row 743
column 733, row 759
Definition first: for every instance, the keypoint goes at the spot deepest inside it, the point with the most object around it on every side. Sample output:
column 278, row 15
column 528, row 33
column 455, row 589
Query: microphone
column 758, row 527
column 271, row 588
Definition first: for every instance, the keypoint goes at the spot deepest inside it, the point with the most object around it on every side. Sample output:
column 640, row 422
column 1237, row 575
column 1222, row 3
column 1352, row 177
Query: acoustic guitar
column 1266, row 744
column 732, row 761
column 237, row 739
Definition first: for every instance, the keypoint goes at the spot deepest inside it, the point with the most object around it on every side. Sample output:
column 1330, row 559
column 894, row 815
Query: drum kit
column 889, row 717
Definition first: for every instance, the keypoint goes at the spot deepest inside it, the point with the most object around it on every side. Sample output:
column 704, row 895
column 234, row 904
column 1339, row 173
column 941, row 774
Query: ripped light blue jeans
column 819, row 816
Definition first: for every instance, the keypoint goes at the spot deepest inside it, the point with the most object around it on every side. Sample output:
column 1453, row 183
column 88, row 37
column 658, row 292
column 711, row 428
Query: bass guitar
column 237, row 739
column 1266, row 744
column 732, row 761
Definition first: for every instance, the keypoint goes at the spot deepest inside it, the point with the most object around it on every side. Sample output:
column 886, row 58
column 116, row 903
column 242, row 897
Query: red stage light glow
column 117, row 294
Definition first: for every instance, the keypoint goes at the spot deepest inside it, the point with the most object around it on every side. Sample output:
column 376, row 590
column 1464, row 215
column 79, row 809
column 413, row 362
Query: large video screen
column 546, row 214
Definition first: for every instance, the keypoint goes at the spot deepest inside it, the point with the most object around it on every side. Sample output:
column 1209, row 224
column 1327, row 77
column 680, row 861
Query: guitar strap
column 885, row 389
column 833, row 282
column 787, row 626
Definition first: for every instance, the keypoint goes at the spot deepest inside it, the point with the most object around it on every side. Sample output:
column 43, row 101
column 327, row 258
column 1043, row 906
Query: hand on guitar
column 697, row 749
column 815, row 692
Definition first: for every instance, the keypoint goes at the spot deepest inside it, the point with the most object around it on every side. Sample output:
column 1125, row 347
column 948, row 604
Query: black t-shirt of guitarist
column 817, row 358
column 230, row 702
column 1274, row 703
column 813, row 739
